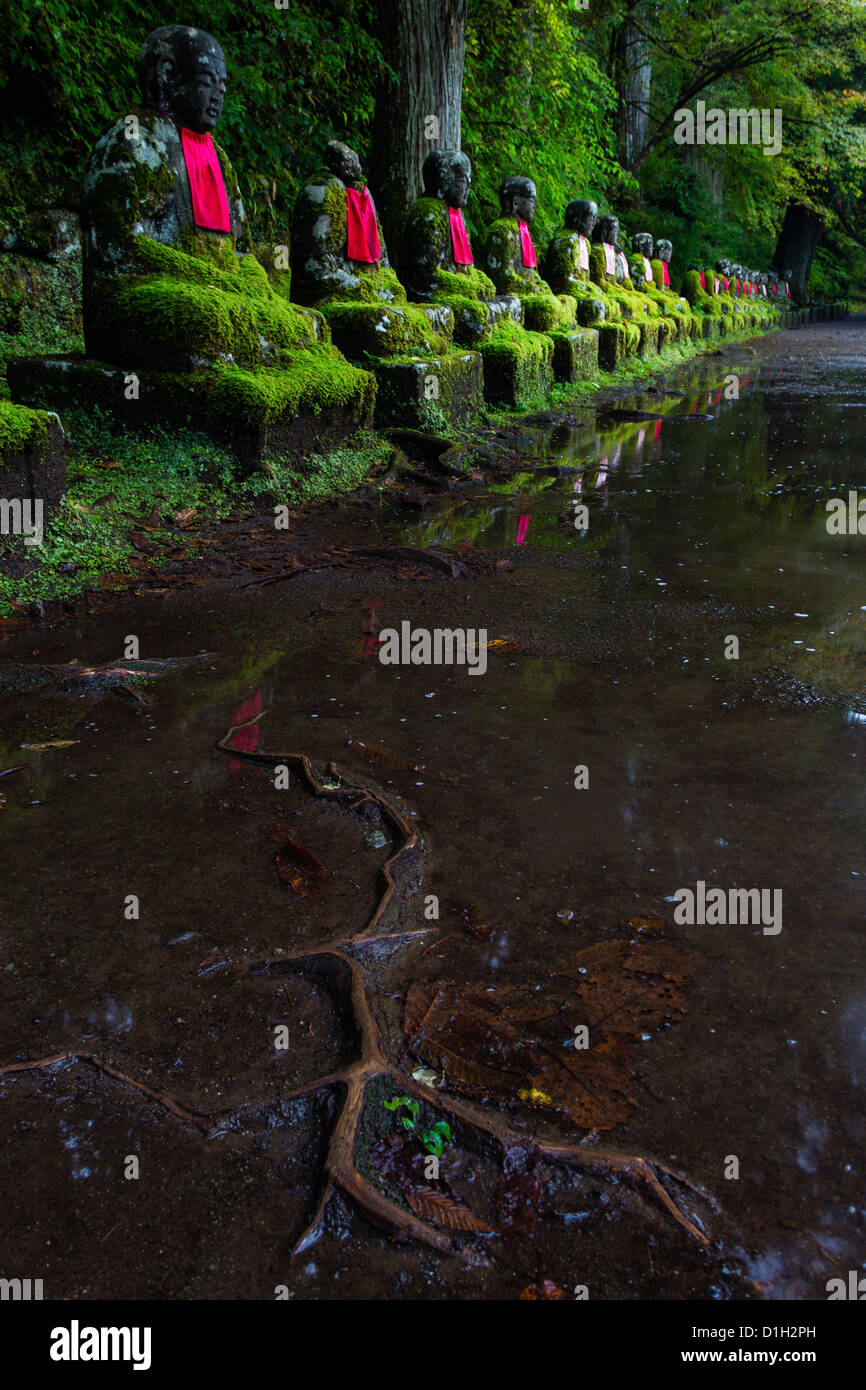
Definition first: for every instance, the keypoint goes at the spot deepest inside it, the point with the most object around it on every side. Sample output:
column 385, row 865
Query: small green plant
column 435, row 1138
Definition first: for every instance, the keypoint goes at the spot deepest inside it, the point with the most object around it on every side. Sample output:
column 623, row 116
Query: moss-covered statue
column 340, row 265
column 673, row 306
column 605, row 238
column 168, row 279
column 566, row 261
column 436, row 262
column 509, row 258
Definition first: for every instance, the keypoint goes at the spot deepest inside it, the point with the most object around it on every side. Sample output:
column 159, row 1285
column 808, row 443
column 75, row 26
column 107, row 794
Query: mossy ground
column 88, row 537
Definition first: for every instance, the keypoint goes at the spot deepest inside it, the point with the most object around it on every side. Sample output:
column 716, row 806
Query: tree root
column 336, row 960
column 342, row 1171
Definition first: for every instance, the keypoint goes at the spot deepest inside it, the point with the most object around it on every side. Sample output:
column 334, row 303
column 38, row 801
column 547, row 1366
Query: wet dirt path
column 706, row 519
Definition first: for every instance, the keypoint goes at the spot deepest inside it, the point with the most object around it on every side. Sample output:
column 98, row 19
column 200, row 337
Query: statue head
column 642, row 244
column 607, row 229
column 724, row 267
column 664, row 250
column 787, row 274
column 581, row 216
column 517, row 198
column 341, row 160
column 447, row 174
column 183, row 71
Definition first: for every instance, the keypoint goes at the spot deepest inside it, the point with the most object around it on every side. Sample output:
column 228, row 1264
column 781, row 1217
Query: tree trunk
column 424, row 42
column 632, row 76
column 795, row 248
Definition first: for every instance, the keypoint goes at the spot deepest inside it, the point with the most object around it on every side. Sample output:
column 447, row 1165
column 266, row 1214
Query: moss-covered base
column 575, row 354
column 432, row 392
column 309, row 404
column 518, row 367
column 649, row 330
column 616, row 342
column 32, row 456
column 362, row 330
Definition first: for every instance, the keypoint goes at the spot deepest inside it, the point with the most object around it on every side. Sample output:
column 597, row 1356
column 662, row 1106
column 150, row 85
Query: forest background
column 580, row 95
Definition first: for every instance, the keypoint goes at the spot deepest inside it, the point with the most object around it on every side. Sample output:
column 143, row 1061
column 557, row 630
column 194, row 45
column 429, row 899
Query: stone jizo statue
column 163, row 226
column 436, row 260
column 340, row 264
column 606, row 234
column 566, row 262
column 509, row 258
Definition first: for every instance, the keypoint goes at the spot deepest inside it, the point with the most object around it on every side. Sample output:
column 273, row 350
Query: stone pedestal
column 575, row 354
column 306, row 408
column 424, row 392
column 518, row 371
column 32, row 456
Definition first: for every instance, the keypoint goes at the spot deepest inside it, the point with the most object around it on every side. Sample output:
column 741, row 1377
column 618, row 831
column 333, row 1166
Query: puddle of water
column 738, row 772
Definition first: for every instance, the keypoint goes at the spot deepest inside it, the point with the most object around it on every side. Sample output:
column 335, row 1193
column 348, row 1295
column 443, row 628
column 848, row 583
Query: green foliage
column 435, row 1138
column 297, row 77
column 89, row 535
column 536, row 102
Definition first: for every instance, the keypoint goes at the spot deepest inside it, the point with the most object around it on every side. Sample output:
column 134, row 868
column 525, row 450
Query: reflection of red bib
column 459, row 240
column 362, row 234
column 526, row 246
column 666, row 275
column 584, row 252
column 609, row 258
column 647, row 269
column 210, row 204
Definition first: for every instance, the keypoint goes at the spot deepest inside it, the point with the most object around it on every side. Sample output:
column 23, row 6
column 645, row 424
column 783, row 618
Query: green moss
column 518, row 365
column 19, row 426
column 597, row 272
column 89, row 534
column 561, row 266
column 384, row 331
column 464, row 280
column 215, row 308
column 317, row 380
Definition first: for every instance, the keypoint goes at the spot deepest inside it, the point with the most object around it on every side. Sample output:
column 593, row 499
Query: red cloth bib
column 210, row 204
column 584, row 252
column 727, row 282
column 459, row 238
column 609, row 258
column 666, row 275
column 526, row 246
column 787, row 289
column 774, row 289
column 703, row 280
column 362, row 235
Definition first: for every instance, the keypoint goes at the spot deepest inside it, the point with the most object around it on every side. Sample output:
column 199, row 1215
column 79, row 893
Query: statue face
column 581, row 216
column 608, row 229
column 524, row 205
column 196, row 84
column 344, row 162
column 642, row 244
column 723, row 266
column 455, row 184
column 664, row 250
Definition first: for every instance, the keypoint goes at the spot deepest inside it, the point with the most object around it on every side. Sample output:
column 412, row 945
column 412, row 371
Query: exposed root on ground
column 336, row 960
